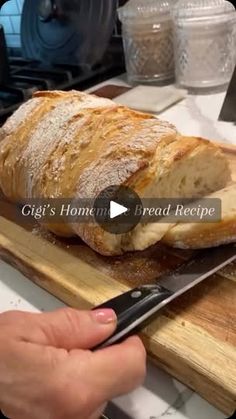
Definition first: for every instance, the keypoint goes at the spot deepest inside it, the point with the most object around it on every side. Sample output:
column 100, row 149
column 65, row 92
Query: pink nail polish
column 104, row 316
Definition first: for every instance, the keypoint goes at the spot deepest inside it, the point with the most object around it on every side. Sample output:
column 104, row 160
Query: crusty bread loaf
column 73, row 145
column 203, row 235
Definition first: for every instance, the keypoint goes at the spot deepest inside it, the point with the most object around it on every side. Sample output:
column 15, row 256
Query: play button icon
column 116, row 209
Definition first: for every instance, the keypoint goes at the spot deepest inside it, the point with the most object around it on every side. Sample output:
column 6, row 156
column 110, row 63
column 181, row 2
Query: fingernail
column 104, row 316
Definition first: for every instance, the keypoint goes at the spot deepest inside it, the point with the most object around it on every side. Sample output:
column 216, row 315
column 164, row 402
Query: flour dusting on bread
column 73, row 145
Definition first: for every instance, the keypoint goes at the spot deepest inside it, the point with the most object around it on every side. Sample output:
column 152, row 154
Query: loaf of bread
column 203, row 235
column 73, row 145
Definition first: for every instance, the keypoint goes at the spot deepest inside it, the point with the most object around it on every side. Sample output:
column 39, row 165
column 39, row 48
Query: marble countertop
column 161, row 396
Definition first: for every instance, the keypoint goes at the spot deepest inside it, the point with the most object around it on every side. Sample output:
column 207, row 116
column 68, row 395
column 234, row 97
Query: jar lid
column 190, row 9
column 143, row 10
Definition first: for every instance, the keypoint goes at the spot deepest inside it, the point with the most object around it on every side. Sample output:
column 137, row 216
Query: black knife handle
column 133, row 308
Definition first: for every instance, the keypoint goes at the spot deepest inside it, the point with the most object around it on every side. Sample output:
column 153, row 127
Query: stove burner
column 27, row 77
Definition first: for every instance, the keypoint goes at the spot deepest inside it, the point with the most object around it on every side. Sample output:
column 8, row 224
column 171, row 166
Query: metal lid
column 144, row 10
column 190, row 9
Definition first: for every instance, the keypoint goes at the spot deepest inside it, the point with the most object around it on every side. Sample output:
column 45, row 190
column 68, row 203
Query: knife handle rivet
column 136, row 294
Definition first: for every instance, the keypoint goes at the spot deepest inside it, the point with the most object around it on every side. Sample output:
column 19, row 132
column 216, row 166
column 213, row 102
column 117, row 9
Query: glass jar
column 204, row 42
column 148, row 40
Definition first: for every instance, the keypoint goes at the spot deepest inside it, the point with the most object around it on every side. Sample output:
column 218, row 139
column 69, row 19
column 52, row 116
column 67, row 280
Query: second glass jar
column 148, row 40
column 204, row 42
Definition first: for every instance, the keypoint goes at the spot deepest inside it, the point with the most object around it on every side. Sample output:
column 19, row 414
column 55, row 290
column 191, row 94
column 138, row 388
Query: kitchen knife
column 137, row 305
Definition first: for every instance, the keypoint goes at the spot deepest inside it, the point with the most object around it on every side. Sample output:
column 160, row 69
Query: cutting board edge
column 21, row 248
column 214, row 395
column 219, row 400
column 213, row 391
column 41, row 279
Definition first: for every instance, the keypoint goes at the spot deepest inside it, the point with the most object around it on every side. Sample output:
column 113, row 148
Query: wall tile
column 6, row 22
column 10, row 8
column 20, row 4
column 10, row 18
column 15, row 21
column 13, row 41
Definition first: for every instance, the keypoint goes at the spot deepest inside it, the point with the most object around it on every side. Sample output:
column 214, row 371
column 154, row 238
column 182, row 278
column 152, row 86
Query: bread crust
column 73, row 145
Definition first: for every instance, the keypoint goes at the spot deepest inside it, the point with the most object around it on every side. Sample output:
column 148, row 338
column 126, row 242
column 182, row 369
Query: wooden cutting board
column 194, row 338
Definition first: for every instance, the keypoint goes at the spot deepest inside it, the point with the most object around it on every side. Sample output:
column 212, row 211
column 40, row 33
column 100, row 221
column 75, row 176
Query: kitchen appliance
column 139, row 304
column 65, row 45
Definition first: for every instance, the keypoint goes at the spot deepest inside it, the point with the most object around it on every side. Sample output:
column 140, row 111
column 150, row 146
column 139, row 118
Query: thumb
column 73, row 329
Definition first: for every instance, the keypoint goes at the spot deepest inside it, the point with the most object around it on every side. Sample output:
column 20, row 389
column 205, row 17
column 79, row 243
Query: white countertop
column 161, row 396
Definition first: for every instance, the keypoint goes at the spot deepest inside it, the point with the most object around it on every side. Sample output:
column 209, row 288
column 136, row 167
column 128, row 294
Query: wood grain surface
column 194, row 338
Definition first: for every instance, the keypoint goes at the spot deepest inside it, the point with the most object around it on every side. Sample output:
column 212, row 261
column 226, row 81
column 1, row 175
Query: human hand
column 47, row 370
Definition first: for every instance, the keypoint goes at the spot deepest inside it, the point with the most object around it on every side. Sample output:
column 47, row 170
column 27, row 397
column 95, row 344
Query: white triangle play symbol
column 116, row 209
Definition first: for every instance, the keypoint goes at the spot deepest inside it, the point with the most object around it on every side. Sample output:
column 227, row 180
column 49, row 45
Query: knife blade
column 134, row 307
